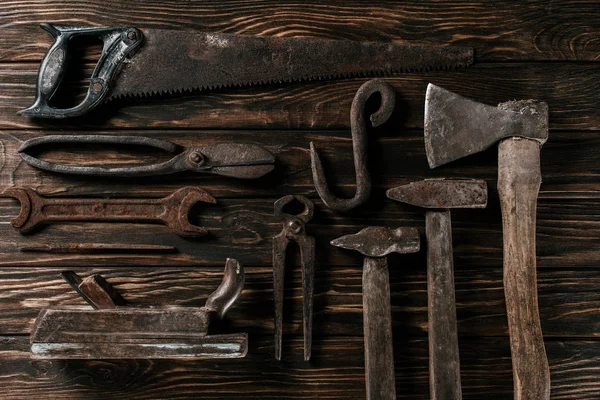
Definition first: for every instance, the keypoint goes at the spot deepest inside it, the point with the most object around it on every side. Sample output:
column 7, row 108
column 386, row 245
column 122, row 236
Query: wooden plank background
column 548, row 50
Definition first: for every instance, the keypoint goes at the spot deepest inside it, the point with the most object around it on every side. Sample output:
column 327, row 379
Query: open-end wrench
column 172, row 210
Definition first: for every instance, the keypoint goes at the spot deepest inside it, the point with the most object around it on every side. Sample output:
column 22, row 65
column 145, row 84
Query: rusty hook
column 359, row 145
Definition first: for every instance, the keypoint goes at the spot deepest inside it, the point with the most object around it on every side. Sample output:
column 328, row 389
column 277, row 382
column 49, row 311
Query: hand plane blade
column 142, row 62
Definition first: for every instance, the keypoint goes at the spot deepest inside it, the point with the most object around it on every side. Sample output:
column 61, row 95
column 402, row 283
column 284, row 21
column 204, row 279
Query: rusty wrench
column 293, row 229
column 172, row 210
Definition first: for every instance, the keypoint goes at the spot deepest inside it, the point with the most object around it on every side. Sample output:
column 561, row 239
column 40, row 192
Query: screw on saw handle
column 118, row 43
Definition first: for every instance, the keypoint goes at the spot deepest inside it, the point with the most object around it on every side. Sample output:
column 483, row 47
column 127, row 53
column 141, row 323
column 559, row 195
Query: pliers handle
column 294, row 230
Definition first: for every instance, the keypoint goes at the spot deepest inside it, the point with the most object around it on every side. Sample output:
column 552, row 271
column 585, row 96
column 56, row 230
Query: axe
column 456, row 127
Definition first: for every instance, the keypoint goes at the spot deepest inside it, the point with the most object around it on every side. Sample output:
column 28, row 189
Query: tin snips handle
column 118, row 43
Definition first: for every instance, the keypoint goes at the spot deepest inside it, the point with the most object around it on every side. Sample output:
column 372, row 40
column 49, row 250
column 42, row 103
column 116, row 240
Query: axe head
column 456, row 126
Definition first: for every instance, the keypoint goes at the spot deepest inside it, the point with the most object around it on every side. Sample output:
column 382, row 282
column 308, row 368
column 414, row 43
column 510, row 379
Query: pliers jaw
column 294, row 230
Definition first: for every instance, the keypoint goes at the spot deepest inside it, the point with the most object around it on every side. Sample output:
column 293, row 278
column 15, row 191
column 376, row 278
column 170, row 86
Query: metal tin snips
column 238, row 160
column 293, row 230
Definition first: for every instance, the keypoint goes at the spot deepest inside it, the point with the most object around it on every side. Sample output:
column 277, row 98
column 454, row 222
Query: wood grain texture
column 571, row 91
column 569, row 300
column 397, row 157
column 377, row 324
column 519, row 180
column 242, row 228
column 510, row 30
column 338, row 373
column 535, row 49
column 444, row 357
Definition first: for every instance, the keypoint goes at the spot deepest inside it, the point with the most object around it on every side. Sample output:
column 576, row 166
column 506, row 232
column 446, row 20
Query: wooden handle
column 519, row 179
column 444, row 362
column 379, row 349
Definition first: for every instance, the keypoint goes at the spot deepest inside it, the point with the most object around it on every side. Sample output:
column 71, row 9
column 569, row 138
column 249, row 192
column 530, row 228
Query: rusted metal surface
column 238, row 160
column 101, row 293
column 95, row 290
column 359, row 145
column 375, row 243
column 456, row 127
column 119, row 332
column 441, row 195
column 118, row 43
column 171, row 211
column 93, row 248
column 294, row 230
column 166, row 61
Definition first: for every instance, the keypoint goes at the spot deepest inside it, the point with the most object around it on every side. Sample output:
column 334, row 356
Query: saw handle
column 519, row 179
column 118, row 43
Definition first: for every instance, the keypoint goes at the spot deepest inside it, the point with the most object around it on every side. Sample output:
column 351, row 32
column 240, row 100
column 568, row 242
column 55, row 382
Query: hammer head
column 456, row 126
column 442, row 193
column 377, row 241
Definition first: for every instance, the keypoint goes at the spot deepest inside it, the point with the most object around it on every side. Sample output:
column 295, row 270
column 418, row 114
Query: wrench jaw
column 25, row 221
column 180, row 203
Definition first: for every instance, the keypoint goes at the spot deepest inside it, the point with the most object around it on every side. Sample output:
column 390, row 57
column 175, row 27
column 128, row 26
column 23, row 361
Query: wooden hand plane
column 114, row 330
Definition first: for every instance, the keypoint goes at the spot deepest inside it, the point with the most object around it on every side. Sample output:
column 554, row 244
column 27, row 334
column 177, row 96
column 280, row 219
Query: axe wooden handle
column 519, row 179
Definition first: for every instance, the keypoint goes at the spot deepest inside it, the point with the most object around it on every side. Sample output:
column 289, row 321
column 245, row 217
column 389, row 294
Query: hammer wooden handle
column 444, row 362
column 379, row 349
column 519, row 179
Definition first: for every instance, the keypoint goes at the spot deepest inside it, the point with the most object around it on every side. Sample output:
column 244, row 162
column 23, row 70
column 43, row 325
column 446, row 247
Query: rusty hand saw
column 141, row 62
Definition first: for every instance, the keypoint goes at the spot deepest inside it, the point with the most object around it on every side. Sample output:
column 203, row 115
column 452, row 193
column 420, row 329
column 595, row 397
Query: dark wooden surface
column 548, row 50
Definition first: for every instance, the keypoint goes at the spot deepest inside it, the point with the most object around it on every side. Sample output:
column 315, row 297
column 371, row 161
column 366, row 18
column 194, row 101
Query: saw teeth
column 344, row 75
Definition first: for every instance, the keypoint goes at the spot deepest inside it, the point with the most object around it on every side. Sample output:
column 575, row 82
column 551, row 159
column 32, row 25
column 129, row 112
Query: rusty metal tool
column 171, row 211
column 93, row 248
column 438, row 196
column 456, row 127
column 375, row 243
column 238, row 160
column 359, row 145
column 141, row 62
column 116, row 330
column 294, row 230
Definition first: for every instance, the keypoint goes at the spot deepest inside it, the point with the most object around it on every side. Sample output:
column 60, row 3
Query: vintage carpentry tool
column 294, row 230
column 140, row 62
column 117, row 331
column 375, row 243
column 172, row 210
column 238, row 160
column 456, row 127
column 93, row 248
column 359, row 145
column 438, row 196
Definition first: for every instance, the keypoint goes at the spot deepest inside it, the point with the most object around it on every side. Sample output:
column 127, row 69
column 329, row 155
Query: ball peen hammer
column 456, row 127
column 375, row 243
column 438, row 196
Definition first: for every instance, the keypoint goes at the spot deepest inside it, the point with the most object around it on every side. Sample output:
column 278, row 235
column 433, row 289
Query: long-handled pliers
column 238, row 160
column 293, row 229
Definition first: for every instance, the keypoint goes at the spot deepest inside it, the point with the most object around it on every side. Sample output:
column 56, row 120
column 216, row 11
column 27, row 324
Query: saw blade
column 176, row 61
